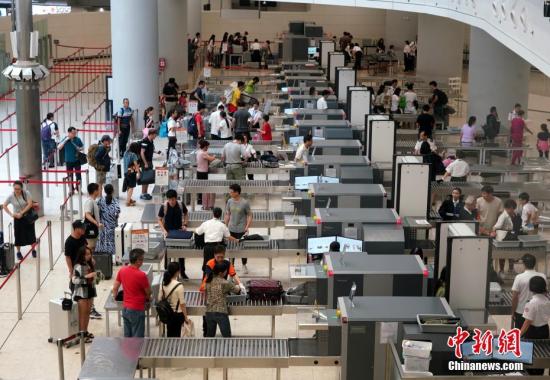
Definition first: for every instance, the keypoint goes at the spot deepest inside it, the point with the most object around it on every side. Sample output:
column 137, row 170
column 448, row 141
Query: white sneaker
column 245, row 269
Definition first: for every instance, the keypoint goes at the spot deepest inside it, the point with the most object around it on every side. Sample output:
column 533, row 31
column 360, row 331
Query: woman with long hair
column 23, row 228
column 84, row 292
column 217, row 288
column 172, row 290
column 210, row 49
column 109, row 210
column 131, row 171
column 148, row 120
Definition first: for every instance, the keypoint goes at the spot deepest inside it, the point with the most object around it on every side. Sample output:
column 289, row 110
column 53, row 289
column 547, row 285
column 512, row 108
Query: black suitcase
column 217, row 61
column 7, row 258
column 104, row 263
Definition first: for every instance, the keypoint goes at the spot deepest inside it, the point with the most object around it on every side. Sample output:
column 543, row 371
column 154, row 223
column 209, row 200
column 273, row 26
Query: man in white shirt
column 529, row 213
column 505, row 221
column 459, row 169
column 322, row 102
column 520, row 289
column 512, row 115
column 423, row 137
column 255, row 115
column 214, row 121
column 302, row 153
column 214, row 231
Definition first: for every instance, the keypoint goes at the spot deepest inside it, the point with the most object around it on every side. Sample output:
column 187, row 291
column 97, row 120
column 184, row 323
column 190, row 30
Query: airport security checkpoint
column 314, row 197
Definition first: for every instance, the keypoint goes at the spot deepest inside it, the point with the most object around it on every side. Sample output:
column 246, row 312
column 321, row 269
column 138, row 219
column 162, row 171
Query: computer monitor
column 350, row 245
column 297, row 140
column 526, row 353
column 322, row 244
column 302, row 183
column 312, row 52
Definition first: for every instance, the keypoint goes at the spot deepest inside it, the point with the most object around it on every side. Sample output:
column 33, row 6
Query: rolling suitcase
column 123, row 241
column 7, row 258
column 217, row 61
column 264, row 290
column 104, row 264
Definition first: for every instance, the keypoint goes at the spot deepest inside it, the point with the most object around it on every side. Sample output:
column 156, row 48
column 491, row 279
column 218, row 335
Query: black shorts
column 131, row 180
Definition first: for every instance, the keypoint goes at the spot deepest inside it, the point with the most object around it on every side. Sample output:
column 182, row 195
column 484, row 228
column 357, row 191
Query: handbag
column 188, row 329
column 31, row 215
column 92, row 231
column 82, row 158
column 147, row 177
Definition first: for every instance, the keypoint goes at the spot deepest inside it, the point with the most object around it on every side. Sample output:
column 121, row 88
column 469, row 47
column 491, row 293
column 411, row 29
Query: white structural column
column 134, row 36
column 172, row 17
column 440, row 48
column 497, row 77
column 194, row 17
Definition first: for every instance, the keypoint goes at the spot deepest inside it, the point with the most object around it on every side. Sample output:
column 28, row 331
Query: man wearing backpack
column 174, row 216
column 438, row 101
column 48, row 129
column 125, row 124
column 198, row 93
column 102, row 159
column 72, row 145
column 195, row 127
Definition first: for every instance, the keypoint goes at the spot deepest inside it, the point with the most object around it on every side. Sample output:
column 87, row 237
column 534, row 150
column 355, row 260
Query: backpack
column 269, row 160
column 402, row 103
column 442, row 97
column 192, row 129
column 163, row 307
column 45, row 132
column 91, row 156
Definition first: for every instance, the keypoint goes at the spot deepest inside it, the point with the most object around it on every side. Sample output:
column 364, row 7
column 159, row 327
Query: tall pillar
column 497, row 77
column 26, row 73
column 194, row 18
column 440, row 48
column 134, row 39
column 173, row 41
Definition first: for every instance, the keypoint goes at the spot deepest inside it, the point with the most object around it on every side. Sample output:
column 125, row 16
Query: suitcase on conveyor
column 264, row 290
column 104, row 263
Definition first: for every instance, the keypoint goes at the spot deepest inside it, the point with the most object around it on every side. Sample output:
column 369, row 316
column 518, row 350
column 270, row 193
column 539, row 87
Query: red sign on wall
column 162, row 64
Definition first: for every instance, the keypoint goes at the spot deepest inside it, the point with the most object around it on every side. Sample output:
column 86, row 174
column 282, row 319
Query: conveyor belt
column 261, row 245
column 503, row 307
column 262, row 219
column 541, row 353
column 195, row 299
column 195, row 186
column 443, row 189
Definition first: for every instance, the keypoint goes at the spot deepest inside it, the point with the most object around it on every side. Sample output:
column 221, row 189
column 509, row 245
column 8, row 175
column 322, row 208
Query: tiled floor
column 24, row 349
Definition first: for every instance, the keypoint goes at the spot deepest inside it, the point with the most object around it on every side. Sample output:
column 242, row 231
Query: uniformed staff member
column 215, row 232
column 459, row 169
column 125, row 124
column 451, row 208
column 520, row 289
column 536, row 315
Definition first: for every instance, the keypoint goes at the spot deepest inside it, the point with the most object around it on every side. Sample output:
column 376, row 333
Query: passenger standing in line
column 468, row 132
column 492, row 125
column 225, row 127
column 137, row 292
column 174, row 216
column 72, row 145
column 49, row 132
column 514, row 113
column 217, row 288
column 520, row 289
column 469, row 211
column 395, row 98
column 423, row 137
column 411, row 100
column 529, row 213
column 250, row 152
column 234, row 156
column 489, row 208
column 438, row 101
column 265, row 129
column 170, row 93
column 210, row 50
column 125, row 124
column 198, row 93
column 256, row 49
column 302, row 153
column 516, row 136
column 238, row 217
column 255, row 116
column 250, row 87
column 215, row 232
column 24, row 232
column 536, row 315
column 459, row 169
column 425, row 122
column 543, row 145
column 407, row 56
column 203, row 166
column 173, row 291
column 83, row 279
column 91, row 215
column 103, row 159
column 109, row 211
column 451, row 207
column 73, row 243
column 173, row 126
column 131, row 170
column 146, row 160
column 358, row 54
column 242, row 117
column 214, row 121
column 148, row 120
column 235, row 98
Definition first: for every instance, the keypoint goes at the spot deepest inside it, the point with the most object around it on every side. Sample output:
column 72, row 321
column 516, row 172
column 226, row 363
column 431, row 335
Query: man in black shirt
column 425, row 122
column 173, row 216
column 170, row 93
column 438, row 101
column 73, row 243
column 146, row 159
column 198, row 93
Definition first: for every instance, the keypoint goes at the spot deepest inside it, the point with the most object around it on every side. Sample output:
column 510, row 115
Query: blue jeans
column 218, row 319
column 134, row 323
column 47, row 148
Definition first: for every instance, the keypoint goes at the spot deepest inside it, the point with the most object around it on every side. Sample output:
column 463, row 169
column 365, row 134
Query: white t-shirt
column 526, row 210
column 255, row 115
column 214, row 121
column 419, row 144
column 322, row 103
column 458, row 168
column 410, row 96
column 91, row 206
column 302, row 154
column 255, row 46
column 407, row 49
column 214, row 231
column 521, row 285
column 538, row 310
column 356, row 49
column 172, row 125
column 504, row 223
column 224, row 129
column 394, row 103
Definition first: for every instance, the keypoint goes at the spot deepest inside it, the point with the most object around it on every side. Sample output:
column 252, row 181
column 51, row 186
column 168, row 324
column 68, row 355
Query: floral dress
column 108, row 216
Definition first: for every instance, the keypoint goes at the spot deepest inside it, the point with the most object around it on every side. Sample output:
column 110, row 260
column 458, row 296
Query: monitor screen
column 350, row 245
column 297, row 140
column 319, row 245
column 302, row 183
column 526, row 353
column 313, row 52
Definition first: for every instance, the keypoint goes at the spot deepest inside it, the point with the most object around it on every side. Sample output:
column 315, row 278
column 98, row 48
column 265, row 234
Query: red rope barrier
column 8, row 130
column 7, row 150
column 42, row 100
column 40, row 182
column 99, row 122
column 58, row 108
column 64, row 171
column 96, row 130
column 83, row 47
column 7, row 117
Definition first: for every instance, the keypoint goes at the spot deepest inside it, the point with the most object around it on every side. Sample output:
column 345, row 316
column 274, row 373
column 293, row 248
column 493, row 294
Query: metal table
column 116, row 306
column 252, row 249
column 303, row 72
column 114, row 358
column 504, row 307
column 507, row 171
column 517, row 252
column 255, row 167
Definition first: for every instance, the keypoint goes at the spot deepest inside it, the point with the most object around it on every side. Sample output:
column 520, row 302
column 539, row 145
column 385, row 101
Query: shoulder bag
column 31, row 215
column 92, row 231
column 82, row 157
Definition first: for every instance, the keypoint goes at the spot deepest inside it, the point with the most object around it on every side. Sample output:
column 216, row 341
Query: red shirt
column 267, row 135
column 200, row 124
column 134, row 282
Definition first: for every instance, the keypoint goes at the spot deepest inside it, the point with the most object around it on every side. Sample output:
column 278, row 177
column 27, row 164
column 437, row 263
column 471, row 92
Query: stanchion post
column 80, row 212
column 8, row 162
column 60, row 359
column 18, row 290
column 37, row 247
column 50, row 244
column 82, row 335
column 71, row 206
column 62, row 226
column 87, row 178
column 1, row 217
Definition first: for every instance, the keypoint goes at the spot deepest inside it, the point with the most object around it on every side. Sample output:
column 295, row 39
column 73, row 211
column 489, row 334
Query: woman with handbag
column 24, row 217
column 172, row 291
column 84, row 277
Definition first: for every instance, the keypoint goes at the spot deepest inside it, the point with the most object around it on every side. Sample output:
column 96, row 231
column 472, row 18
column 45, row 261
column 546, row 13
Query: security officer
column 125, row 124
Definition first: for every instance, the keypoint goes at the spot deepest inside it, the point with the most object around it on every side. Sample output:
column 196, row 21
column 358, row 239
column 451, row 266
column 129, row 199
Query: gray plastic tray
column 532, row 241
column 437, row 328
column 506, row 244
